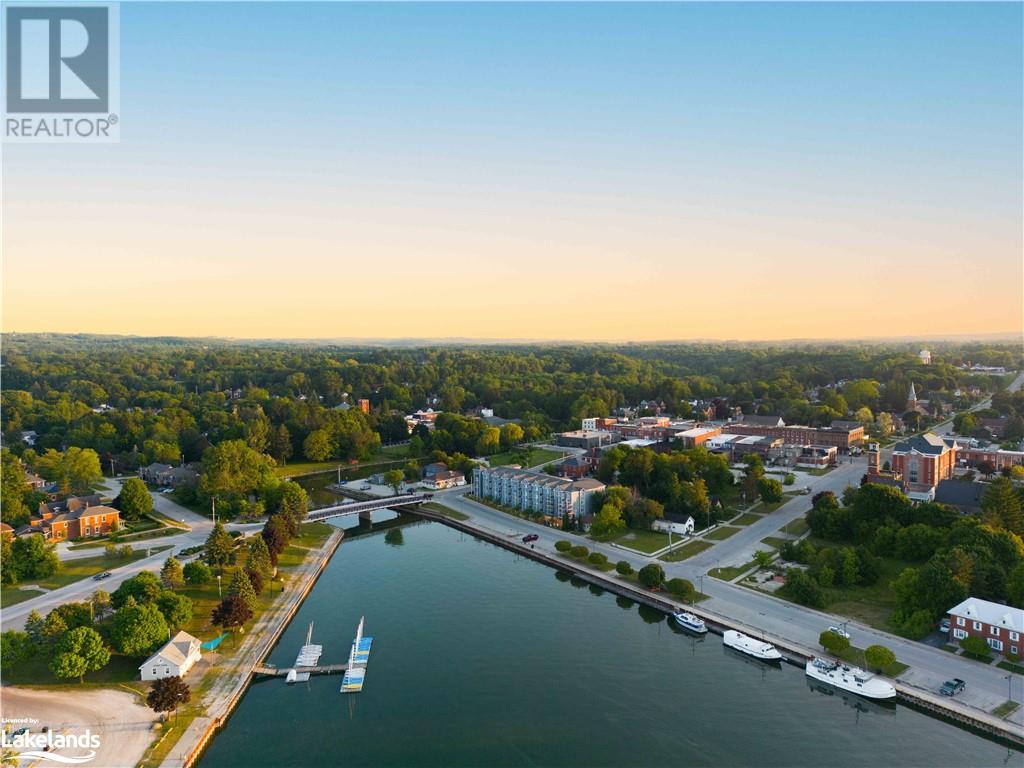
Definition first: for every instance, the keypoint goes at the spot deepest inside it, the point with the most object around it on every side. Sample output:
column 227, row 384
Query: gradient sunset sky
column 536, row 171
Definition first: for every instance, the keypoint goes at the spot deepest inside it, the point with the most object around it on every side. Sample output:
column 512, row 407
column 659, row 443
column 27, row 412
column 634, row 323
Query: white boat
column 751, row 647
column 690, row 622
column 847, row 678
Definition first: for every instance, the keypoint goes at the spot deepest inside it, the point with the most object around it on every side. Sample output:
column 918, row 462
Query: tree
column 317, row 445
column 259, row 557
column 511, row 434
column 219, row 549
column 770, row 490
column 833, row 642
column 651, row 575
column 76, row 469
column 879, row 657
column 1002, row 506
column 294, row 505
column 35, row 628
column 171, row 574
column 78, row 652
column 562, row 545
column 144, row 587
column 643, row 512
column 176, row 609
column 608, row 521
column 241, row 587
column 134, row 501
column 15, row 647
column 231, row 612
column 197, row 572
column 763, row 558
column 1015, row 586
column 233, row 468
column 489, row 442
column 167, row 694
column 393, row 478
column 680, row 588
column 281, row 444
column 623, row 568
column 975, row 646
column 275, row 534
column 137, row 629
column 13, row 490
column 32, row 558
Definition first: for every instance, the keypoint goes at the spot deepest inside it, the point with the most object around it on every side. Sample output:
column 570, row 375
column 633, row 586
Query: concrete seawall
column 944, row 707
column 194, row 740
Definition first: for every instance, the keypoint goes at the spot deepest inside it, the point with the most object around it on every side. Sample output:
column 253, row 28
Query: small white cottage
column 174, row 659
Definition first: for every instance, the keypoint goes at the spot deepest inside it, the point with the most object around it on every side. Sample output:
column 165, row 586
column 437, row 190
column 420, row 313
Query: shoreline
column 190, row 746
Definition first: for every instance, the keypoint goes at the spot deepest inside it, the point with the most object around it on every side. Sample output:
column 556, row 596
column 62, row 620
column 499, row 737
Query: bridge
column 365, row 508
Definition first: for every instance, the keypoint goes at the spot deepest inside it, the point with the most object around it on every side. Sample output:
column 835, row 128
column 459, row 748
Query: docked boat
column 852, row 679
column 751, row 647
column 690, row 622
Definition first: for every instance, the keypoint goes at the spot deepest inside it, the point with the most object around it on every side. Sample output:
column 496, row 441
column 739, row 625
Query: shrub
column 563, row 546
column 975, row 646
column 197, row 572
column 879, row 657
column 596, row 558
column 789, row 479
column 651, row 575
column 579, row 552
column 623, row 568
column 804, row 589
column 680, row 587
column 832, row 642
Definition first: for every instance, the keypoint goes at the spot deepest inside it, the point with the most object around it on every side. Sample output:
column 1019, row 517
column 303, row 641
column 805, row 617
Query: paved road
column 199, row 529
column 946, row 428
column 987, row 686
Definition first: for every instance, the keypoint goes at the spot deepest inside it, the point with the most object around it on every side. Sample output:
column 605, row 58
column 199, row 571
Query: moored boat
column 758, row 649
column 849, row 678
column 690, row 622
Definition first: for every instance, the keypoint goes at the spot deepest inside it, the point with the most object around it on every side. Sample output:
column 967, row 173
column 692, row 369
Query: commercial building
column 921, row 462
column 843, row 435
column 535, row 491
column 444, row 479
column 583, row 439
column 999, row 458
column 998, row 625
column 738, row 446
column 818, row 456
column 691, row 438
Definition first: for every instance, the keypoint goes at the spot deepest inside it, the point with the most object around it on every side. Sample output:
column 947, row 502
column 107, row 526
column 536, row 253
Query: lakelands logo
column 61, row 78
column 42, row 746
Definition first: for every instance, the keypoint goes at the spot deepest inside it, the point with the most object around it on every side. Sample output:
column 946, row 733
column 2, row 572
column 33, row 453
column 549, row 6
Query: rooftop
column 987, row 612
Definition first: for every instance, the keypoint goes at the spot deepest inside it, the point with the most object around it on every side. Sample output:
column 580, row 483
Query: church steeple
column 912, row 398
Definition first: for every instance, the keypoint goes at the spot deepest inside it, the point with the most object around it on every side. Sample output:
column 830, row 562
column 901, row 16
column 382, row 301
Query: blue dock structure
column 358, row 659
column 309, row 655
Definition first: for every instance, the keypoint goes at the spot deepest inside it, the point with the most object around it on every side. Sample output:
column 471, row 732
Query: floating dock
column 309, row 655
column 358, row 659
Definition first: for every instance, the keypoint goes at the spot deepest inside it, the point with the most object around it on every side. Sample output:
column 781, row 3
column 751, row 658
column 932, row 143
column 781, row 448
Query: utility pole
column 213, row 501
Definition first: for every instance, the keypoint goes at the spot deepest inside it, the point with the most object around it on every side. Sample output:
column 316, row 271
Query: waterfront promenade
column 231, row 680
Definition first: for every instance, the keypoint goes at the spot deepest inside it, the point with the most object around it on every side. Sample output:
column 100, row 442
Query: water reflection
column 651, row 615
column 624, row 603
column 852, row 700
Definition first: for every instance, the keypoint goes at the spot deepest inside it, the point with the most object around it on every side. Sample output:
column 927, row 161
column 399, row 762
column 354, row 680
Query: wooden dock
column 321, row 669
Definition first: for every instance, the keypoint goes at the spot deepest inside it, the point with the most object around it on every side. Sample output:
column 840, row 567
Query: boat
column 849, row 678
column 690, row 622
column 751, row 647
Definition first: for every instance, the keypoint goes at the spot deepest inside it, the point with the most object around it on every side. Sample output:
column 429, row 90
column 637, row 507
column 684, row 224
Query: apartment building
column 998, row 625
column 535, row 491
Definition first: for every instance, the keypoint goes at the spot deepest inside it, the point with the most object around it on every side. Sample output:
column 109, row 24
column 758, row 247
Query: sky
column 591, row 172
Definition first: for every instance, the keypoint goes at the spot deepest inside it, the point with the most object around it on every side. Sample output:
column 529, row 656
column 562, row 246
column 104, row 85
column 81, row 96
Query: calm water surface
column 482, row 658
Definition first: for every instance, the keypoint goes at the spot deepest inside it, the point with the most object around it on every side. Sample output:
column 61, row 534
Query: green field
column 642, row 541
column 722, row 533
column 747, row 518
column 75, row 570
column 795, row 527
column 538, row 456
column 12, row 595
column 774, row 541
column 686, row 551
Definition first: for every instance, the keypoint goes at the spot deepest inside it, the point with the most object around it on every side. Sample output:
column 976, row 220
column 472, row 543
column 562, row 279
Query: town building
column 583, row 439
column 925, row 357
column 691, row 438
column 998, row 457
column 574, row 467
column 364, row 405
column 174, row 659
column 921, row 462
column 998, row 625
column 536, row 492
column 167, row 476
column 839, row 434
column 74, row 518
column 817, row 456
column 964, row 495
column 444, row 479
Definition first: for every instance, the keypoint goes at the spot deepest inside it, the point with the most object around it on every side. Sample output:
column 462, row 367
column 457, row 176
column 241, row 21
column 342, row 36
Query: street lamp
column 1009, row 687
column 218, row 587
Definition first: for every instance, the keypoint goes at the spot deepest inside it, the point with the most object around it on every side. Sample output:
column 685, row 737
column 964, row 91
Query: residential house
column 998, row 625
column 174, row 659
column 73, row 518
column 574, row 467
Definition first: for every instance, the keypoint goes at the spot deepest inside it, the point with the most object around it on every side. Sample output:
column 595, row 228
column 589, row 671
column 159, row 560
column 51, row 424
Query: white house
column 683, row 528
column 174, row 659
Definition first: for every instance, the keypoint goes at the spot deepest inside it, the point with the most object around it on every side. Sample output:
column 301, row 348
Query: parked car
column 101, row 576
column 944, row 625
column 840, row 631
column 804, row 491
column 952, row 687
column 530, row 537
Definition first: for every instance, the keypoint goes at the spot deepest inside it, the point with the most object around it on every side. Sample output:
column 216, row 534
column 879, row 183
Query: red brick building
column 923, row 460
column 1001, row 626
column 841, row 435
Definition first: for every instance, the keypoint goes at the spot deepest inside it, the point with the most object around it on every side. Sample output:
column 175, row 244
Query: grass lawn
column 537, row 456
column 765, row 507
column 728, row 574
column 441, row 509
column 75, row 570
column 796, row 527
column 855, row 655
column 720, row 534
column 686, row 551
column 747, row 518
column 642, row 541
column 818, row 471
column 394, row 451
column 121, row 671
column 12, row 595
column 874, row 604
column 1005, row 709
column 774, row 541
